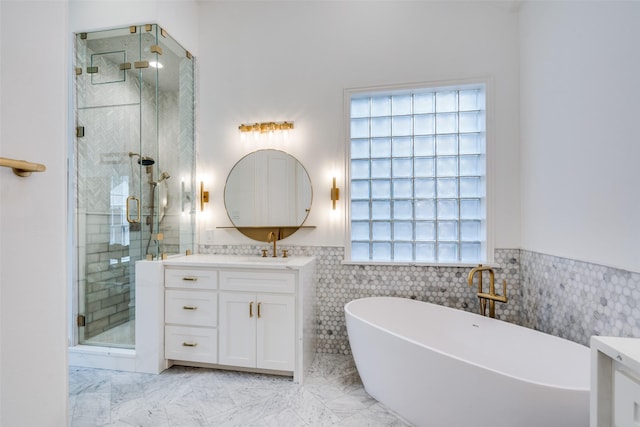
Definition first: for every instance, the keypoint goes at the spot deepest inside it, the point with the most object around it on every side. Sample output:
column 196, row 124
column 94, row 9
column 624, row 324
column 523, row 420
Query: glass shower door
column 107, row 175
column 135, row 167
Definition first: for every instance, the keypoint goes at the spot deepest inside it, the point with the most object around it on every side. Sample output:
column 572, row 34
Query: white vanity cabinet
column 257, row 325
column 240, row 312
column 615, row 382
column 191, row 314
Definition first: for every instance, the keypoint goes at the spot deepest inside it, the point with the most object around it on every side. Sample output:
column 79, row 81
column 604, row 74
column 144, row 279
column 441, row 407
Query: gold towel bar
column 22, row 168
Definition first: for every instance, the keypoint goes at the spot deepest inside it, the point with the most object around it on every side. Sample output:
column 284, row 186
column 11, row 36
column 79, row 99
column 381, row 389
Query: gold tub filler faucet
column 492, row 297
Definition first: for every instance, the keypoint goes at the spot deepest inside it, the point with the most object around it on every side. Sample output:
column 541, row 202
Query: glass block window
column 417, row 175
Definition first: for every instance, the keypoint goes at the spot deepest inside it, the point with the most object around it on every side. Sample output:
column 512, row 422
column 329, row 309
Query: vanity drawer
column 198, row 308
column 191, row 344
column 192, row 278
column 258, row 281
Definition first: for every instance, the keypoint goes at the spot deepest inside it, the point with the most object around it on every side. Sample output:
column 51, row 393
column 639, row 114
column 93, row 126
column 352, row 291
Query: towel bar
column 22, row 168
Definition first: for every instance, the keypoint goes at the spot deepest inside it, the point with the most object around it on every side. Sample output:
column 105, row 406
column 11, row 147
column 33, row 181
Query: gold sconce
column 265, row 127
column 335, row 193
column 204, row 196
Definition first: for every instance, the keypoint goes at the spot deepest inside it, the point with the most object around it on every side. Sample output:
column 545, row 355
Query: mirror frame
column 260, row 232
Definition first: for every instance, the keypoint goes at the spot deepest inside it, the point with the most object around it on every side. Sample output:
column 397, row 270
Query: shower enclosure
column 134, row 163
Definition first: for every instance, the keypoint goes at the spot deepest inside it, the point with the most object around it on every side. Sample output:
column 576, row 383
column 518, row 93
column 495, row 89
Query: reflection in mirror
column 268, row 188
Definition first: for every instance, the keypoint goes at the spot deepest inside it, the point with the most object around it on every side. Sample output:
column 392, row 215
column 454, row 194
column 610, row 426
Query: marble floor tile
column 332, row 395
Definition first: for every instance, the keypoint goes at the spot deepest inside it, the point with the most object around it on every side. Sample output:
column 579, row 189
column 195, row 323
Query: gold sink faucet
column 272, row 236
column 483, row 297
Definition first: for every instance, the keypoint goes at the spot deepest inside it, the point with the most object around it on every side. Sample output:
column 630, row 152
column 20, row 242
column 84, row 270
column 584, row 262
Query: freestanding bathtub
column 441, row 367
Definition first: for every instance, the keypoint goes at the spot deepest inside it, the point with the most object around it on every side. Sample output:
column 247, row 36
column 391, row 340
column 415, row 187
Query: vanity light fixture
column 265, row 127
column 335, row 193
column 204, row 196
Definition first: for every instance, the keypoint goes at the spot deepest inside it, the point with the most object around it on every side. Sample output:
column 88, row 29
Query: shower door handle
column 130, row 201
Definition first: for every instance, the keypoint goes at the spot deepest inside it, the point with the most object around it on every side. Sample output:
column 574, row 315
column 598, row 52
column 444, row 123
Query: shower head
column 144, row 161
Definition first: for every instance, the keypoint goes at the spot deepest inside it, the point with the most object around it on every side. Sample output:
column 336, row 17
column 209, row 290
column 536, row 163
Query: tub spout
column 491, row 297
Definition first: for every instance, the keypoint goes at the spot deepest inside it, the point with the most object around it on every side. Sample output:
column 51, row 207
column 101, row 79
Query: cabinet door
column 237, row 329
column 626, row 401
column 276, row 332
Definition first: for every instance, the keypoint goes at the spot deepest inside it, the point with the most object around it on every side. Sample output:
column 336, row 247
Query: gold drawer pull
column 251, row 309
column 189, row 307
column 259, row 305
column 190, row 279
column 189, row 344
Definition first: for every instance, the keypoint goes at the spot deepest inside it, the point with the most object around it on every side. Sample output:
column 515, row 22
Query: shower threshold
column 107, row 350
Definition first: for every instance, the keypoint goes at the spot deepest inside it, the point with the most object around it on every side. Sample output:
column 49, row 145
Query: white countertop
column 245, row 261
column 623, row 350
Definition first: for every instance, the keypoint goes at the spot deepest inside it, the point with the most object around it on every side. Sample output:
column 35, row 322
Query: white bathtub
column 440, row 367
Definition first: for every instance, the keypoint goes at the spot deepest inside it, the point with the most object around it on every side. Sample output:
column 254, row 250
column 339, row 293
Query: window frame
column 488, row 155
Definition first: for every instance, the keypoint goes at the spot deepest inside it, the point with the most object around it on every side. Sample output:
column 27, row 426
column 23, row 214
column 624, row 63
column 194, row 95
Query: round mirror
column 268, row 190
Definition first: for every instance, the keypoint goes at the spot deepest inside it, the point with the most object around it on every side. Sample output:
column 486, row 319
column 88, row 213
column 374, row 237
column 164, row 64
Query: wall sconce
column 266, row 127
column 204, row 196
column 335, row 193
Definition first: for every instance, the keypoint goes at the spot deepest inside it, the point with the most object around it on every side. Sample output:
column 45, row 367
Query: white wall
column 35, row 49
column 579, row 130
column 263, row 61
column 33, row 277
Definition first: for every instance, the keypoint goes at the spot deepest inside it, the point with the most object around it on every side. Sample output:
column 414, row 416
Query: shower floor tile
column 332, row 395
column 120, row 336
